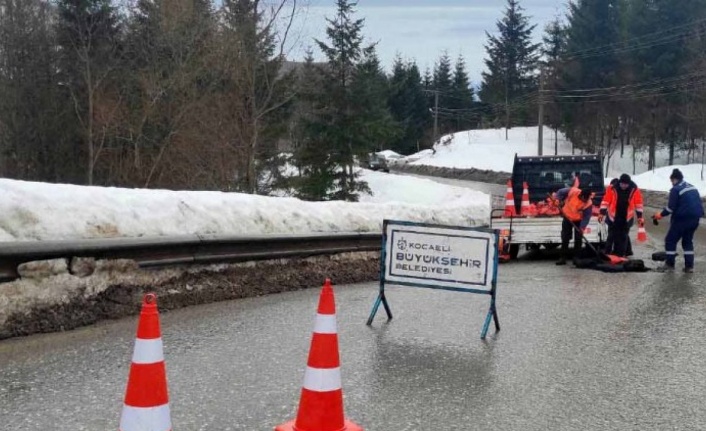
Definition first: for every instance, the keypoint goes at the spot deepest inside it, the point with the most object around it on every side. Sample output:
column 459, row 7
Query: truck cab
column 545, row 175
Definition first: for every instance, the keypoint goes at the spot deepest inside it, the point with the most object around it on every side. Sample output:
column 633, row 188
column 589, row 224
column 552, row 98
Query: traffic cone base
column 321, row 401
column 347, row 426
column 641, row 234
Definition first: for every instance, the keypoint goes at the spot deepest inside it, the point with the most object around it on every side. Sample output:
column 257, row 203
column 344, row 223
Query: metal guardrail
column 190, row 249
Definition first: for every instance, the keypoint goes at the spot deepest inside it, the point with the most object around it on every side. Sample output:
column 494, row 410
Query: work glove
column 601, row 218
column 656, row 218
column 641, row 222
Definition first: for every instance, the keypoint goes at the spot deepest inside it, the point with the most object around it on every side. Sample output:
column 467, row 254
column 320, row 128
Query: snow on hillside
column 659, row 178
column 487, row 149
column 40, row 211
column 389, row 154
column 618, row 165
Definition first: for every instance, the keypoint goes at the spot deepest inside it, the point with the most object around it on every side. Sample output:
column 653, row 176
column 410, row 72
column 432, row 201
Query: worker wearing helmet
column 576, row 210
column 622, row 203
column 686, row 210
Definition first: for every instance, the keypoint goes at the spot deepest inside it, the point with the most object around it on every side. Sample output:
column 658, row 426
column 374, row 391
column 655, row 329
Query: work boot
column 561, row 262
column 665, row 268
column 689, row 270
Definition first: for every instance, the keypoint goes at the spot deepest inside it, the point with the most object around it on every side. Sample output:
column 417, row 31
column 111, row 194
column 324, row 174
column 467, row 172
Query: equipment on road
column 539, row 221
column 321, row 402
column 608, row 262
column 459, row 259
column 146, row 398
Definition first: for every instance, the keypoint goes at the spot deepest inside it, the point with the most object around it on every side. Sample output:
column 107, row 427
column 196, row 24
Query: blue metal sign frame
column 382, row 299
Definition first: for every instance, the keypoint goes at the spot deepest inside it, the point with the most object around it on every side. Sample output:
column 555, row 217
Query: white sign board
column 439, row 256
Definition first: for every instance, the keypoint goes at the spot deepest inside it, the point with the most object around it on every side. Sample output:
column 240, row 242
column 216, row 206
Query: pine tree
column 370, row 89
column 419, row 110
column 442, row 86
column 336, row 105
column 553, row 49
column 409, row 106
column 594, row 23
column 428, row 80
column 311, row 154
column 461, row 101
column 511, row 64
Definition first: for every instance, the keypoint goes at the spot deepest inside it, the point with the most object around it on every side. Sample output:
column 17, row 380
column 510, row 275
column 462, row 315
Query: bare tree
column 255, row 71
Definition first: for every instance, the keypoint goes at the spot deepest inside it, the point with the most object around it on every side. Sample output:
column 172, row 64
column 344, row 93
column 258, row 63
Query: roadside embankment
column 51, row 298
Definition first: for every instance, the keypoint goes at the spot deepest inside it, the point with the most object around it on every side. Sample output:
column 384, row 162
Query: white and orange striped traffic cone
column 525, row 207
column 509, row 201
column 146, row 405
column 321, row 402
column 641, row 232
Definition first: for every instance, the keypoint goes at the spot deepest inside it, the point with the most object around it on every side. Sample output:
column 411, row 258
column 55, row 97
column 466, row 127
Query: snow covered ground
column 40, row 211
column 487, row 149
column 659, row 178
column 618, row 165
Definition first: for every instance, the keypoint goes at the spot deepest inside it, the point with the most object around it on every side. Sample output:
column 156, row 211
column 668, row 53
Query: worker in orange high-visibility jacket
column 609, row 246
column 621, row 204
column 576, row 209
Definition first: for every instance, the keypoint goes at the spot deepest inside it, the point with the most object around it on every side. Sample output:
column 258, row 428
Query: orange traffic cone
column 146, row 399
column 509, row 201
column 321, row 402
column 641, row 233
column 525, row 208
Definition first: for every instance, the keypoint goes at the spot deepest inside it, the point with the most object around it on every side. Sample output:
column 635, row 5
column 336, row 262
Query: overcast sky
column 422, row 29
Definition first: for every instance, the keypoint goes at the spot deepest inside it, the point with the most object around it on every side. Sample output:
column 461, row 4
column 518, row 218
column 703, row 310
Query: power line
column 617, row 47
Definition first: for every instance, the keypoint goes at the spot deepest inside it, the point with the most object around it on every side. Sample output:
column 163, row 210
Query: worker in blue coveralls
column 686, row 210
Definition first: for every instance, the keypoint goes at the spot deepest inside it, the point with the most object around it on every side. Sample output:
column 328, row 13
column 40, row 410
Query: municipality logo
column 402, row 244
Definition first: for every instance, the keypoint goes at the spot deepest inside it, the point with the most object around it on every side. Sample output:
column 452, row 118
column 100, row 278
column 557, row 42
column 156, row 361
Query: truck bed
column 542, row 230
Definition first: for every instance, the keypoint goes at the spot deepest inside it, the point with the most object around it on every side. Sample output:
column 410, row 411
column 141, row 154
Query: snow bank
column 658, row 179
column 487, row 149
column 389, row 154
column 40, row 211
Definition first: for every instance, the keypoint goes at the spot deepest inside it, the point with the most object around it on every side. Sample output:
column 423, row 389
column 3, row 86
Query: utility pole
column 507, row 106
column 540, row 122
column 436, row 115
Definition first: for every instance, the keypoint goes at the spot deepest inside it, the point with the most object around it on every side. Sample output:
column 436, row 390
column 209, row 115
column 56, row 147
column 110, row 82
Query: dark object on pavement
column 660, row 256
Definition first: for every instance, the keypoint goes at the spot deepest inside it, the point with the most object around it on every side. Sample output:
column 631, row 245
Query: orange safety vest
column 574, row 207
column 610, row 202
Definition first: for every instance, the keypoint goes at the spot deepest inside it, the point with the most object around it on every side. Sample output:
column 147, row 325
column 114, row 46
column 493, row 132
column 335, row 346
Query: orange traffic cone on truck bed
column 321, row 402
column 525, row 208
column 146, row 399
column 509, row 201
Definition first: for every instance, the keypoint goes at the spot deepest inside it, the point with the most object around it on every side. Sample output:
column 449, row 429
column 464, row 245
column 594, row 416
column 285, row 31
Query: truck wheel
column 533, row 247
column 551, row 246
column 514, row 251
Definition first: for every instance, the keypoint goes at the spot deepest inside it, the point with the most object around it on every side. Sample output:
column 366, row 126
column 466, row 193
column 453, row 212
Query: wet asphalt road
column 578, row 350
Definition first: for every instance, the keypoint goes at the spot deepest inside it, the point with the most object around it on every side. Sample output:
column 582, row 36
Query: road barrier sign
column 460, row 259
